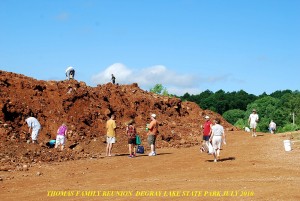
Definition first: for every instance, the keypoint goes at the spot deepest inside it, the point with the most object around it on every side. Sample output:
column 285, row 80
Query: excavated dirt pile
column 86, row 109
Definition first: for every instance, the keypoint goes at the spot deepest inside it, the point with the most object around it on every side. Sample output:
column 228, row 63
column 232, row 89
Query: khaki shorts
column 151, row 139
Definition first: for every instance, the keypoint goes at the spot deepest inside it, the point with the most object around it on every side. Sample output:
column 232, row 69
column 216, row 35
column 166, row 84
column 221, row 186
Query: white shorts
column 60, row 139
column 216, row 142
column 253, row 125
column 110, row 140
column 35, row 134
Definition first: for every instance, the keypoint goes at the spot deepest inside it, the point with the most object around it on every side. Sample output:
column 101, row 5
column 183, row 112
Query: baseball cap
column 153, row 115
column 206, row 117
column 254, row 110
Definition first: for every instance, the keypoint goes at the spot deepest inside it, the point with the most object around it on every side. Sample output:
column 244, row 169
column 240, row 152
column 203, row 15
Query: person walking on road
column 216, row 138
column 253, row 120
column 206, row 134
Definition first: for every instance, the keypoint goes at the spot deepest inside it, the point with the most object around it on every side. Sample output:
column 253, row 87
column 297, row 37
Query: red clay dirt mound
column 86, row 109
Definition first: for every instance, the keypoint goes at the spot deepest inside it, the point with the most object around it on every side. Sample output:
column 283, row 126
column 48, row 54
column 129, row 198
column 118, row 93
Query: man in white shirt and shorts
column 253, row 119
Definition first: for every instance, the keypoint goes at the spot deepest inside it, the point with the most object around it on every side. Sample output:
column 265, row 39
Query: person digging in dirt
column 131, row 134
column 70, row 73
column 152, row 133
column 216, row 138
column 61, row 136
column 206, row 134
column 34, row 128
column 111, row 134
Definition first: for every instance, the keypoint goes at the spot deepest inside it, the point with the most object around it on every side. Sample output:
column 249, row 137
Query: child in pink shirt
column 61, row 136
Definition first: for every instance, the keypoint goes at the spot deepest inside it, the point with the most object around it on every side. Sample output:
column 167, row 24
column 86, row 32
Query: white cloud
column 120, row 71
column 174, row 82
column 148, row 77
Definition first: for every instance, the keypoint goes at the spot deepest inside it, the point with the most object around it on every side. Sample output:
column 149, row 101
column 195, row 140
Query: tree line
column 281, row 106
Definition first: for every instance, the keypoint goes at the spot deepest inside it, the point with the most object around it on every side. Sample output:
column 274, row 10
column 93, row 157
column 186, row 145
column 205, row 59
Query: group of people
column 70, row 74
column 253, row 121
column 213, row 136
column 111, row 126
column 35, row 127
column 132, row 134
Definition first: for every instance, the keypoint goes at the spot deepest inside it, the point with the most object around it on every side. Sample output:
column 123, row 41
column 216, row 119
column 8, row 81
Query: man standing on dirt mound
column 111, row 134
column 70, row 73
column 253, row 119
column 34, row 128
column 152, row 133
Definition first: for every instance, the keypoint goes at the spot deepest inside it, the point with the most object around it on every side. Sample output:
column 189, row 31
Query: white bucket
column 287, row 145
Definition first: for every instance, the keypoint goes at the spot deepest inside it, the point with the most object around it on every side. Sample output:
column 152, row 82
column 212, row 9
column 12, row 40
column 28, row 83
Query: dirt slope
column 86, row 109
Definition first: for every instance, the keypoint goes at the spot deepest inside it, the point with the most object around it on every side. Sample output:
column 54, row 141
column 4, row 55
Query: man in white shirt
column 34, row 128
column 253, row 119
column 70, row 73
column 272, row 127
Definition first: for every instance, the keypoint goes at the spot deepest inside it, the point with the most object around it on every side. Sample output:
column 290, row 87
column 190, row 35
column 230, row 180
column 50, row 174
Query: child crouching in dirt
column 61, row 136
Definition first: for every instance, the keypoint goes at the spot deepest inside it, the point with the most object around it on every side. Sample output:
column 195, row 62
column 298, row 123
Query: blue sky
column 185, row 45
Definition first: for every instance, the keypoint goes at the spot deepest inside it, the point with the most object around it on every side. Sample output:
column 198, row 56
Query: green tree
column 159, row 89
column 232, row 116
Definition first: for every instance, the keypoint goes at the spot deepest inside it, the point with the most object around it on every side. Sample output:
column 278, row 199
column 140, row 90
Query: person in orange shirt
column 152, row 133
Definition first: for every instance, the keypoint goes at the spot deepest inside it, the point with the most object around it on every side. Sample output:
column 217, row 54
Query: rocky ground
column 86, row 109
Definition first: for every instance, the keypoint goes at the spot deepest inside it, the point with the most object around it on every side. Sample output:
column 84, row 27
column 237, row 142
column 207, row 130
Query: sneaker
column 130, row 156
column 152, row 154
column 215, row 160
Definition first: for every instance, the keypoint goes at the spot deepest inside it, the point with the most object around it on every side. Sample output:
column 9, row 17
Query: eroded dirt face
column 85, row 110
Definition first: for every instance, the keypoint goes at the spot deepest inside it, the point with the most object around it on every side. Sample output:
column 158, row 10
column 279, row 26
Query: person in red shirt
column 206, row 134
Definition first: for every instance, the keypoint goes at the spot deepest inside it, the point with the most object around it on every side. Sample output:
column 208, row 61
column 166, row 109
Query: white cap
column 153, row 115
column 206, row 117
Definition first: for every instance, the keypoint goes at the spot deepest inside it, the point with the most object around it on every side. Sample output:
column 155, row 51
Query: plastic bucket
column 287, row 145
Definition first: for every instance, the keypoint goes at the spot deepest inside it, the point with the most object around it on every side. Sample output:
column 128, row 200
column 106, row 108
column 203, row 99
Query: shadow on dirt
column 141, row 155
column 223, row 159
